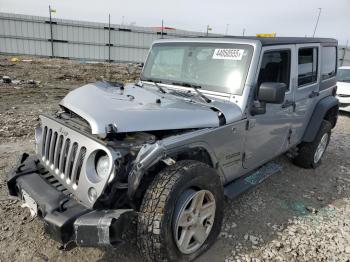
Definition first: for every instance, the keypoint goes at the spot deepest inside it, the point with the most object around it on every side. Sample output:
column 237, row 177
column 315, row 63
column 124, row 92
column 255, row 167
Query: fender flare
column 318, row 115
column 149, row 155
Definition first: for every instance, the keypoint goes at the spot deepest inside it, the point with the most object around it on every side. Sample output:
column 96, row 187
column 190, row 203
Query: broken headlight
column 102, row 165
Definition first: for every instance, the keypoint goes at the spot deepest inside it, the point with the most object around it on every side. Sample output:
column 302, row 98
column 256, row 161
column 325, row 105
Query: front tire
column 181, row 213
column 310, row 154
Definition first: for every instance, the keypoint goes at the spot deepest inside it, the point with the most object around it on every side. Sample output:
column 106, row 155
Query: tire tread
column 152, row 210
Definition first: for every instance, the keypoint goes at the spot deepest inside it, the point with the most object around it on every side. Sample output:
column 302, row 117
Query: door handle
column 287, row 104
column 313, row 94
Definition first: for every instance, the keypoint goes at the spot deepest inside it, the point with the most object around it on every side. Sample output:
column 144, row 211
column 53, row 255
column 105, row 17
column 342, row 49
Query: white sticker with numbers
column 230, row 54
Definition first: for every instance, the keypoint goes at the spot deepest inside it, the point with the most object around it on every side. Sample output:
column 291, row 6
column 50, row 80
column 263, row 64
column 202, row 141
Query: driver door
column 268, row 134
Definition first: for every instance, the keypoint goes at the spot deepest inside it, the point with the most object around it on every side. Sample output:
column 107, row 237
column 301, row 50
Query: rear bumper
column 65, row 219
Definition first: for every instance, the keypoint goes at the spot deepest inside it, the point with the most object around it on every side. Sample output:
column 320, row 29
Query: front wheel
column 181, row 213
column 310, row 154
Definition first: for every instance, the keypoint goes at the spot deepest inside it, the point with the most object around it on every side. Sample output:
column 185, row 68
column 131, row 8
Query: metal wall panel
column 23, row 34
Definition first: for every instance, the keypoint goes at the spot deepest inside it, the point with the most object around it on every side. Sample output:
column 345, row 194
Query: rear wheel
column 181, row 213
column 310, row 154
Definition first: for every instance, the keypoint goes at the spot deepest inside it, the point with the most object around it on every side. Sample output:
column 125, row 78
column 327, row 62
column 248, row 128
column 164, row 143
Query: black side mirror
column 270, row 92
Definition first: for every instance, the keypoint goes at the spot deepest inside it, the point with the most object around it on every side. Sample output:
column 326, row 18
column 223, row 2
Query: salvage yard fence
column 35, row 35
column 31, row 35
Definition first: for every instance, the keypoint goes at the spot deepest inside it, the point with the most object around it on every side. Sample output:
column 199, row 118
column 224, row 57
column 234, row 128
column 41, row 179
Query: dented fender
column 149, row 155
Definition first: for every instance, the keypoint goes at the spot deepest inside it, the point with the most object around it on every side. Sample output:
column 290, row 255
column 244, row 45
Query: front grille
column 68, row 154
column 341, row 95
column 63, row 156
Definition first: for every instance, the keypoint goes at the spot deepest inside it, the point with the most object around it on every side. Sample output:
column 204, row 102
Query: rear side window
column 275, row 67
column 307, row 66
column 329, row 62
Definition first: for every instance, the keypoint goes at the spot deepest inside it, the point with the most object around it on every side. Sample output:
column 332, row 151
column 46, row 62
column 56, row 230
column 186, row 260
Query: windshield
column 343, row 75
column 213, row 66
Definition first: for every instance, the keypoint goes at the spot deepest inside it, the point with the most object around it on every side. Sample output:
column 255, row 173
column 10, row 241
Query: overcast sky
column 285, row 17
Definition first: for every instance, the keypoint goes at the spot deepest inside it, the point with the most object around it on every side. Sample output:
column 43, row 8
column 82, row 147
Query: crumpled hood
column 138, row 109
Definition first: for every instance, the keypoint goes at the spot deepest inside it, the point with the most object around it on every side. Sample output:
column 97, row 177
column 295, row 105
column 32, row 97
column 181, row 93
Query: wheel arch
column 326, row 109
column 197, row 151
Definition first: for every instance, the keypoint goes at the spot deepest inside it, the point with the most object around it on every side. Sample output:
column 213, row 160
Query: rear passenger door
column 305, row 87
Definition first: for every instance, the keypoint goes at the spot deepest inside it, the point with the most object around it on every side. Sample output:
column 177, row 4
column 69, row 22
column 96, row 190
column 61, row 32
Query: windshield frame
column 220, row 44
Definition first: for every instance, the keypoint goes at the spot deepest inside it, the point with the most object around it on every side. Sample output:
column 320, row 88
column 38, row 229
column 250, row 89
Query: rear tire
column 168, row 203
column 310, row 154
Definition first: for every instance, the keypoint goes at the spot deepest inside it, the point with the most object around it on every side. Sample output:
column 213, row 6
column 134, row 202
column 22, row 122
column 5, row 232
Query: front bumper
column 344, row 107
column 65, row 219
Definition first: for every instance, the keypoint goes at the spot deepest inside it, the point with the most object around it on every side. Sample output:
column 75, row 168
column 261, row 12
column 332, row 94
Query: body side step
column 253, row 178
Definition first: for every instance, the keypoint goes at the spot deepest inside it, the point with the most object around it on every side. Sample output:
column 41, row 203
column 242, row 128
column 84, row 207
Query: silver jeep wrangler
column 205, row 115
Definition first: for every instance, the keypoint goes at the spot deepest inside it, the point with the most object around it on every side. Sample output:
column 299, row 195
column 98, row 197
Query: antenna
column 318, row 18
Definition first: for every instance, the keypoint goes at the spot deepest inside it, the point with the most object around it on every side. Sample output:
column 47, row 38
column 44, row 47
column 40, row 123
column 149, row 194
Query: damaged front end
column 86, row 185
column 81, row 202
column 66, row 220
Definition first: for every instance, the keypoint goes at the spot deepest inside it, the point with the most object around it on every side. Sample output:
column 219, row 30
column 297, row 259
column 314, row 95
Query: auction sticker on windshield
column 230, row 54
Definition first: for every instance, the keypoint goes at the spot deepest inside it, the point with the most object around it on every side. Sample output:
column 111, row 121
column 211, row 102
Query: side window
column 329, row 62
column 275, row 67
column 307, row 66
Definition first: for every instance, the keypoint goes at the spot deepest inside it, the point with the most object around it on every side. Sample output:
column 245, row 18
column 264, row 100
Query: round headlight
column 102, row 166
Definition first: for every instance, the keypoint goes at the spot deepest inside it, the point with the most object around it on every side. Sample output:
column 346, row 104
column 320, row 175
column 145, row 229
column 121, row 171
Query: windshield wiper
column 195, row 88
column 155, row 82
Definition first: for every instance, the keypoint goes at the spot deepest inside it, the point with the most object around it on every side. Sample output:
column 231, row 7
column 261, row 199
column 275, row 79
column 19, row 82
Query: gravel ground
column 295, row 215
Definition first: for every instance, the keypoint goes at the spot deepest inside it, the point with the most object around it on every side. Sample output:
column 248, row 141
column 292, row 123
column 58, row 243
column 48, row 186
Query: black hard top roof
column 265, row 41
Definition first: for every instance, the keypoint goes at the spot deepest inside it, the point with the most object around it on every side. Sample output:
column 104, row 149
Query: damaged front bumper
column 65, row 219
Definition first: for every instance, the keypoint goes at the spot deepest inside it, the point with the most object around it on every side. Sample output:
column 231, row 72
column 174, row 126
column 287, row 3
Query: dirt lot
column 295, row 215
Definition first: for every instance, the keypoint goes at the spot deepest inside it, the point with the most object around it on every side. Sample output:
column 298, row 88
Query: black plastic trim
column 58, row 210
column 317, row 117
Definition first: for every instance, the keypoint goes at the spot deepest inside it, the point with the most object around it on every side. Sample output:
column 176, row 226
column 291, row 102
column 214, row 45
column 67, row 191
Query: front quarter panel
column 223, row 144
